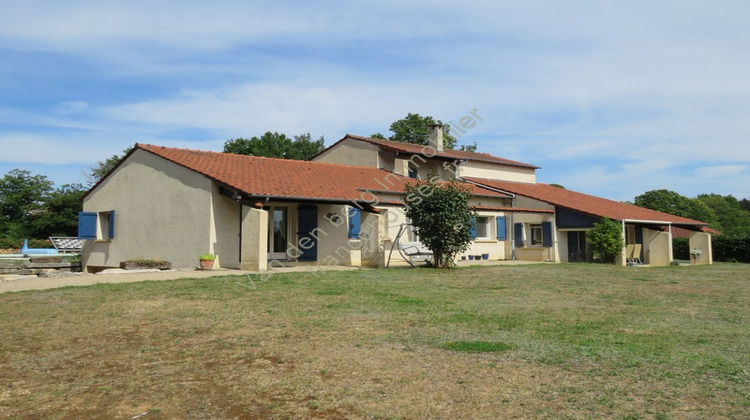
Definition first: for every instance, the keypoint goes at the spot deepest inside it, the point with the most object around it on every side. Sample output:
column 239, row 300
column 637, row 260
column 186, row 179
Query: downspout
column 239, row 257
column 624, row 244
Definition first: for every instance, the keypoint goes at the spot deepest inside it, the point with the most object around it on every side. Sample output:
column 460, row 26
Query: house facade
column 345, row 207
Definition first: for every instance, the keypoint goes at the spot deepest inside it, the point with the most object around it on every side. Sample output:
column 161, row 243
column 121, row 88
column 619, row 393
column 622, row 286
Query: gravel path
column 13, row 283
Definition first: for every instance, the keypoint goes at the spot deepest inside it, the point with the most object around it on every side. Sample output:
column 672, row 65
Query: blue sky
column 609, row 98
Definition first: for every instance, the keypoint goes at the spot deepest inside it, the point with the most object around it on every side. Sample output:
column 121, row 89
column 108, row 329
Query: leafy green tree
column 21, row 196
column 415, row 129
column 442, row 217
column 745, row 204
column 102, row 168
column 673, row 203
column 606, row 240
column 732, row 219
column 59, row 215
column 276, row 145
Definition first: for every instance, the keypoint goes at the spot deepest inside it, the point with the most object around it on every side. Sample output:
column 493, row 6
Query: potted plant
column 696, row 253
column 485, row 256
column 207, row 261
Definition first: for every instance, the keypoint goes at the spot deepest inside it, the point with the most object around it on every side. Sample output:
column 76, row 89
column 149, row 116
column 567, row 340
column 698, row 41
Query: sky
column 611, row 98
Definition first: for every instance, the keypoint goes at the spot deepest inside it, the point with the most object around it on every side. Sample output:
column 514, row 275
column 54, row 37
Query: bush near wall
column 728, row 249
column 13, row 243
column 725, row 249
column 681, row 248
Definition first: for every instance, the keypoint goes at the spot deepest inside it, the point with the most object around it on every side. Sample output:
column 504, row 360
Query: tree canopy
column 103, row 167
column 670, row 202
column 415, row 129
column 276, row 145
column 31, row 208
column 441, row 216
column 723, row 213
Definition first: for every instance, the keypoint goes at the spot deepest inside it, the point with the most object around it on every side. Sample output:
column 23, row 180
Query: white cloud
column 720, row 171
column 639, row 91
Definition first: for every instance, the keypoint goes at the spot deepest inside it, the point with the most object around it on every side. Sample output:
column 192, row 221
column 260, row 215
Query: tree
column 59, row 215
column 673, row 203
column 606, row 240
column 745, row 204
column 276, row 145
column 21, row 195
column 102, row 168
column 442, row 217
column 732, row 219
column 415, row 129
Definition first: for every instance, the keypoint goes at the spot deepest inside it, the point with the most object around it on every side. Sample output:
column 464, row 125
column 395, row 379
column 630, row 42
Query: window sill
column 97, row 241
column 484, row 241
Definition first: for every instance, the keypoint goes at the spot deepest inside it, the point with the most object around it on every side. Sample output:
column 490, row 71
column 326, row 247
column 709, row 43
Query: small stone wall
column 38, row 267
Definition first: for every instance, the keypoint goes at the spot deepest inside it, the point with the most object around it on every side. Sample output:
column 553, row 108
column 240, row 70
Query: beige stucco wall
column 534, row 252
column 334, row 245
column 495, row 248
column 162, row 211
column 254, row 239
column 701, row 241
column 224, row 229
column 497, row 171
column 351, row 152
column 657, row 247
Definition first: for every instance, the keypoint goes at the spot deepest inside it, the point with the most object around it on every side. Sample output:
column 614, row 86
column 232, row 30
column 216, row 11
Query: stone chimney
column 436, row 137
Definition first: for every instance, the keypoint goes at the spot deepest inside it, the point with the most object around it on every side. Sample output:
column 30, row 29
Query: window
column 483, row 227
column 536, row 235
column 630, row 234
column 413, row 173
column 97, row 226
column 541, row 234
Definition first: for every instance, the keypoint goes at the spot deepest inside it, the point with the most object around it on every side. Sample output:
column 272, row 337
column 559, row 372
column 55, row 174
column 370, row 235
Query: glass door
column 278, row 233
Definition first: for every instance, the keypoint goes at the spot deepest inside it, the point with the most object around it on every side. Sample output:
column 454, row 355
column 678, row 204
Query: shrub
column 442, row 216
column 681, row 248
column 731, row 249
column 606, row 240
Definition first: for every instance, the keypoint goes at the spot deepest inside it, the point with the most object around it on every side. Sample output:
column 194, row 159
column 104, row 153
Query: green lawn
column 493, row 342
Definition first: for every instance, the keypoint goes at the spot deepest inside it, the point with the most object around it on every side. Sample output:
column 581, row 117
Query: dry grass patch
column 499, row 342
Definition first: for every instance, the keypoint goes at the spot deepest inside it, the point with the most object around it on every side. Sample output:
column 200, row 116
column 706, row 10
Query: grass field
column 492, row 342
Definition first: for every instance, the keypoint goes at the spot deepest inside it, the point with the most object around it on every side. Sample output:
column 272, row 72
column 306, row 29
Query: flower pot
column 207, row 264
column 463, row 257
column 485, row 256
column 471, row 257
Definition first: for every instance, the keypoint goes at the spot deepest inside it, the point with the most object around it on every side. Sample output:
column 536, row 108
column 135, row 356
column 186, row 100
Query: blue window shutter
column 111, row 224
column 86, row 225
column 501, row 229
column 518, row 235
column 547, row 234
column 473, row 228
column 355, row 222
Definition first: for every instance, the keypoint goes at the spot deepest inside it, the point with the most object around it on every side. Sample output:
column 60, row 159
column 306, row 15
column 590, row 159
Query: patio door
column 576, row 246
column 278, row 232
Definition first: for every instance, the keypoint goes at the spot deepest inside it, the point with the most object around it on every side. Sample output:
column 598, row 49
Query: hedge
column 725, row 249
column 14, row 243
column 729, row 249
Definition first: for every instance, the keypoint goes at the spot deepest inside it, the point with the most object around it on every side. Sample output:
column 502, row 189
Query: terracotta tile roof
column 262, row 177
column 584, row 203
column 420, row 149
